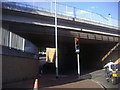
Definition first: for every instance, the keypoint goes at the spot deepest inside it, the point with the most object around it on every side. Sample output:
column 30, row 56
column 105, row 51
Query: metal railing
column 64, row 10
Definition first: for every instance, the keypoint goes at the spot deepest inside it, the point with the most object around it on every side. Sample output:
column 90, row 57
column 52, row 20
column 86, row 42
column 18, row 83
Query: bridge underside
column 92, row 46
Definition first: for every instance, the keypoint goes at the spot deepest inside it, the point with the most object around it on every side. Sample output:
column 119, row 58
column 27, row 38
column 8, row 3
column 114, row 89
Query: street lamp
column 56, row 60
column 110, row 18
column 109, row 15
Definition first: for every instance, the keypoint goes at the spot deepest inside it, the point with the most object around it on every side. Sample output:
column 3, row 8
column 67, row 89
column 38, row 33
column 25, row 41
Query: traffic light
column 77, row 45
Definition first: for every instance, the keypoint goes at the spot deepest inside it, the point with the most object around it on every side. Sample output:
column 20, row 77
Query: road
column 99, row 77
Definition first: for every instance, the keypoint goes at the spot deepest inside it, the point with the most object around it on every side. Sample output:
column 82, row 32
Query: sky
column 103, row 8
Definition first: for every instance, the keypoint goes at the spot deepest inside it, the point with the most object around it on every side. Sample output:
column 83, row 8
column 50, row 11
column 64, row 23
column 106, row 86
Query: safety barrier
column 62, row 10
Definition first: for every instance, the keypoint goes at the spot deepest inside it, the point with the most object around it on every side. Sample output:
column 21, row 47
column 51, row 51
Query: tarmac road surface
column 99, row 77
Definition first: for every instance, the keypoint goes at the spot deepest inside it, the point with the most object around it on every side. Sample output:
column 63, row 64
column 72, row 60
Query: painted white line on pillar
column 23, row 45
column 10, row 40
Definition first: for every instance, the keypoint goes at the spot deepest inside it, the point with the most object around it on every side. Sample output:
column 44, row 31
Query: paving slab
column 50, row 81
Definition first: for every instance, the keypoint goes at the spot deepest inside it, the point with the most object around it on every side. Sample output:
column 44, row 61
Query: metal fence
column 65, row 11
column 12, row 40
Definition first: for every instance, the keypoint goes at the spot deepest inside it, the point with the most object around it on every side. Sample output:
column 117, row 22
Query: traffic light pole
column 78, row 61
column 77, row 50
column 56, row 61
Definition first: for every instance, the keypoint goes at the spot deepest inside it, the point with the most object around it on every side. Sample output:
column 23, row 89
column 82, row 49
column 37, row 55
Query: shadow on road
column 118, row 81
column 61, row 80
column 86, row 76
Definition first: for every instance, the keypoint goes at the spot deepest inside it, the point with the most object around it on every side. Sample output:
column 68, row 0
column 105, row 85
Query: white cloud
column 93, row 7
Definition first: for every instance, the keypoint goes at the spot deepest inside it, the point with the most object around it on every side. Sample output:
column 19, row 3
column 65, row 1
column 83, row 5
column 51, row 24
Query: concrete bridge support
column 17, row 68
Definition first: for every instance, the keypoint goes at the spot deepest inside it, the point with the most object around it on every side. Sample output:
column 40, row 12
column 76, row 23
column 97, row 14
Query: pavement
column 50, row 81
column 99, row 76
